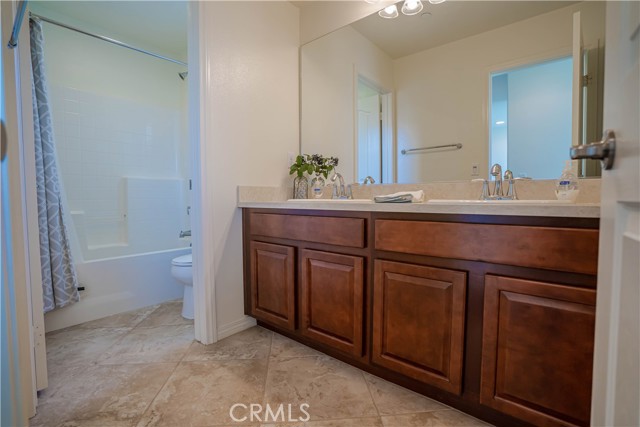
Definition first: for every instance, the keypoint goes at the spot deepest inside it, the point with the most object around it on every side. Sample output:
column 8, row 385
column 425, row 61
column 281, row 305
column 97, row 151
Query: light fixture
column 373, row 1
column 411, row 7
column 389, row 12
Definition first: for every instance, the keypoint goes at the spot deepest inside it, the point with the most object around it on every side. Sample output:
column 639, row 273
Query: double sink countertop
column 440, row 198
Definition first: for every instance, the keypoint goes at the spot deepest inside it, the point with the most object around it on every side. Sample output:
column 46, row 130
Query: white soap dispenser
column 567, row 186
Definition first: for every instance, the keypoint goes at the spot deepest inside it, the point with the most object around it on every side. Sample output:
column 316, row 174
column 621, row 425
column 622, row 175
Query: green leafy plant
column 301, row 166
column 314, row 163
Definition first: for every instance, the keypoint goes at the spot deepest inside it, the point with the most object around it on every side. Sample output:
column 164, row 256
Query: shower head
column 183, row 75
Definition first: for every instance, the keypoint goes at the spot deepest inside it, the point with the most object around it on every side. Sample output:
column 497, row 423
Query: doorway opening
column 374, row 147
column 531, row 118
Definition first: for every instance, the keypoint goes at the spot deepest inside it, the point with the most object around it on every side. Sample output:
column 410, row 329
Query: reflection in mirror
column 530, row 110
column 435, row 70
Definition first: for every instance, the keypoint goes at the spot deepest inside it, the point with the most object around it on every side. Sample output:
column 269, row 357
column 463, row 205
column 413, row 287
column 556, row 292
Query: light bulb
column 389, row 12
column 411, row 7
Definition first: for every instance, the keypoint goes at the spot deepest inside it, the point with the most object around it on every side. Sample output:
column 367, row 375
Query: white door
column 616, row 379
column 369, row 139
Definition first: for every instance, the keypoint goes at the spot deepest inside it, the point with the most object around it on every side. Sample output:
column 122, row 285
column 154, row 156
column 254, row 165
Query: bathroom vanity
column 490, row 313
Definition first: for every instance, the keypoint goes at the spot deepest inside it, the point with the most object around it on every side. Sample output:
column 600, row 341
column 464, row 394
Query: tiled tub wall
column 120, row 164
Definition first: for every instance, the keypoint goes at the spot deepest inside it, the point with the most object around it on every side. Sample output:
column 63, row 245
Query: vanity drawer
column 562, row 249
column 320, row 229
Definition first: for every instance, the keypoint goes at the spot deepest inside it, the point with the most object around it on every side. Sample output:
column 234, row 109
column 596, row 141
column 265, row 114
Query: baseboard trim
column 235, row 327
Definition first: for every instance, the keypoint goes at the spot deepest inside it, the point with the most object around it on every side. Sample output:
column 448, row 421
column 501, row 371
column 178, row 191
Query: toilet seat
column 182, row 261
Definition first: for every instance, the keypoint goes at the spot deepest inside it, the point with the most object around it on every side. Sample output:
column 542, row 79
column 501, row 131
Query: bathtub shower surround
column 123, row 183
column 59, row 278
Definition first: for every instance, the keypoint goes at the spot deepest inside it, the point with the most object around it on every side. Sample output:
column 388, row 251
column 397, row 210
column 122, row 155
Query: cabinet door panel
column 273, row 284
column 538, row 350
column 332, row 302
column 418, row 322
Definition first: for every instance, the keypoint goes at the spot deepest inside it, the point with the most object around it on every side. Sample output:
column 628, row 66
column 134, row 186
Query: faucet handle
column 485, row 188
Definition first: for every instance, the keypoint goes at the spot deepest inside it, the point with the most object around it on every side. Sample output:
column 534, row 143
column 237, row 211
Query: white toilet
column 182, row 270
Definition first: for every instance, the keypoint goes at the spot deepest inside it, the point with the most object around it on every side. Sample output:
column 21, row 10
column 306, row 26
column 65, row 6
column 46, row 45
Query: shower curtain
column 59, row 278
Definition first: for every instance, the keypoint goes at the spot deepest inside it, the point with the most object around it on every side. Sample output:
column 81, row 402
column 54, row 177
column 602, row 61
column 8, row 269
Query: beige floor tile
column 348, row 422
column 168, row 314
column 202, row 393
column 391, row 399
column 148, row 345
column 352, row 422
column 81, row 346
column 127, row 319
column 285, row 348
column 253, row 343
column 447, row 418
column 334, row 390
column 100, row 395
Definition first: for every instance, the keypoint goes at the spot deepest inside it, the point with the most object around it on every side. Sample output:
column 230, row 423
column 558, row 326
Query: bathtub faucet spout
column 185, row 234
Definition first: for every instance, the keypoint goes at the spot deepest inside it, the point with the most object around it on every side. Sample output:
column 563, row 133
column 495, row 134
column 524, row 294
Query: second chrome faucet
column 498, row 192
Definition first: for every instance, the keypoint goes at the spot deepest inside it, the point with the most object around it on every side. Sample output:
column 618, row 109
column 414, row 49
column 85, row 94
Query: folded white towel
column 416, row 196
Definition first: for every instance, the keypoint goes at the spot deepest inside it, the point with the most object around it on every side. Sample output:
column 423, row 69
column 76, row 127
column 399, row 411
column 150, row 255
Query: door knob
column 604, row 150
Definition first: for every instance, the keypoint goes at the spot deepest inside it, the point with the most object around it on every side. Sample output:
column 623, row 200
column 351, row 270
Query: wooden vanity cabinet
column 331, row 299
column 307, row 275
column 418, row 322
column 537, row 350
column 272, row 284
column 487, row 314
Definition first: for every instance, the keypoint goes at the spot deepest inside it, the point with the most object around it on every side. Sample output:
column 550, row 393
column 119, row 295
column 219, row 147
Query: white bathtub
column 116, row 285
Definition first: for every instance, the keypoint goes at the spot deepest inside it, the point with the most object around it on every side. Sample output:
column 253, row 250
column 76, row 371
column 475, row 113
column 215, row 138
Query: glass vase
column 300, row 187
column 317, row 186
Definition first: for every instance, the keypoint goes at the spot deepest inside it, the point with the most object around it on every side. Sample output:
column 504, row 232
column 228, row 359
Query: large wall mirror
column 515, row 82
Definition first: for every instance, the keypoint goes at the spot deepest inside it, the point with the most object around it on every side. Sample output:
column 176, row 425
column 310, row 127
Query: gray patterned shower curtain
column 59, row 279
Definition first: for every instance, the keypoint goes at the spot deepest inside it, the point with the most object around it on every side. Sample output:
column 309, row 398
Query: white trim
column 199, row 82
column 16, row 80
column 32, row 232
column 235, row 327
column 388, row 141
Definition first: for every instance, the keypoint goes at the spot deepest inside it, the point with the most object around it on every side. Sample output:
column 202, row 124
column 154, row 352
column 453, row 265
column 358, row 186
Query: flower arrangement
column 314, row 163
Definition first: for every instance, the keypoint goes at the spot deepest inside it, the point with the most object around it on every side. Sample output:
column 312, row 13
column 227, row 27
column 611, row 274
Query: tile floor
column 143, row 368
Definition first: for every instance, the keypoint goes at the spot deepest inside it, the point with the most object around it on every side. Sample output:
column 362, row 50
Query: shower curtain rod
column 17, row 23
column 106, row 39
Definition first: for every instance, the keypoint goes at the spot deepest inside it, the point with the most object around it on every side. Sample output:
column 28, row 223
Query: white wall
column 251, row 125
column 442, row 93
column 329, row 93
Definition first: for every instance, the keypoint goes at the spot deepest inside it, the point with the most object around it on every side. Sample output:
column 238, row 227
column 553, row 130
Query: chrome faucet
column 368, row 180
column 185, row 234
column 498, row 191
column 511, row 189
column 340, row 191
column 496, row 173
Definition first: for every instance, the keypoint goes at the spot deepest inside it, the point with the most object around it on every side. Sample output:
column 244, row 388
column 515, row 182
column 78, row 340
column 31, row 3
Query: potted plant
column 311, row 164
column 301, row 166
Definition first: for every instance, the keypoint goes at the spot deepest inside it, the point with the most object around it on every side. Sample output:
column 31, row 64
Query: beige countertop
column 276, row 198
column 574, row 210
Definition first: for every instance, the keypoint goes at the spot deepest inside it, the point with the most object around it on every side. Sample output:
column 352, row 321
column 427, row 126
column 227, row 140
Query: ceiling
column 446, row 22
column 158, row 26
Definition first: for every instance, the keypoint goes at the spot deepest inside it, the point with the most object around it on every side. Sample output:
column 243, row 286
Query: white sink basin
column 499, row 202
column 330, row 200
